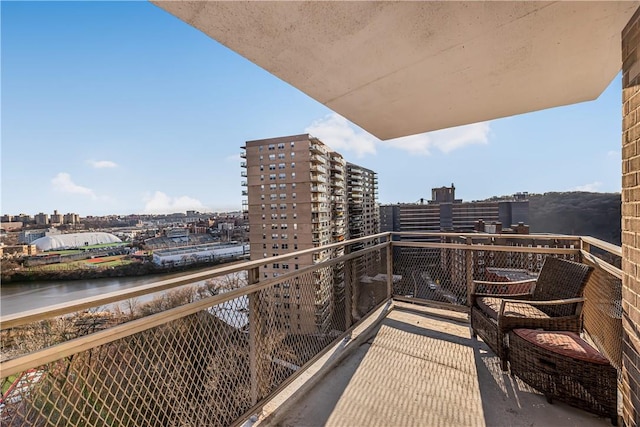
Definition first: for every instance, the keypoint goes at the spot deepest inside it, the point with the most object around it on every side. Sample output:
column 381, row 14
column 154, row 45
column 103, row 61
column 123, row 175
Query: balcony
column 318, row 169
column 401, row 354
column 318, row 178
column 315, row 158
column 243, row 174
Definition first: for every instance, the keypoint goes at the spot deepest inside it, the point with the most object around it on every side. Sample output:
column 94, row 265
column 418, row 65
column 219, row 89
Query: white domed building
column 74, row 240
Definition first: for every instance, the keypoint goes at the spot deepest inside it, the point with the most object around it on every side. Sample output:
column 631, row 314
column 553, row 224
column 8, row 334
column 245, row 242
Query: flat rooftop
column 419, row 366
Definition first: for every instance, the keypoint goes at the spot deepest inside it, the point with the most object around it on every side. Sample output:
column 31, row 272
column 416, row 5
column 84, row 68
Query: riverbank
column 128, row 270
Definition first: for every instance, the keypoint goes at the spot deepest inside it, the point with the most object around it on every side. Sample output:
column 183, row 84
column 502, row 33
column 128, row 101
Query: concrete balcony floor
column 421, row 367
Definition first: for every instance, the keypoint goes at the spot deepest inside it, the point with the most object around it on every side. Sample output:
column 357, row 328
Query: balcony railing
column 315, row 158
column 219, row 343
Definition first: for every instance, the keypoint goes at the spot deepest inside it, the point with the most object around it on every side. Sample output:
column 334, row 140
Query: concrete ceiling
column 401, row 68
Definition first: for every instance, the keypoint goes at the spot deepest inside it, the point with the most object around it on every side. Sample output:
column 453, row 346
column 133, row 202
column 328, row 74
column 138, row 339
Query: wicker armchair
column 552, row 302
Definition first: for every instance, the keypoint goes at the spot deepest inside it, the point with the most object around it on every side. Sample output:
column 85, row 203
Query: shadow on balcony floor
column 421, row 369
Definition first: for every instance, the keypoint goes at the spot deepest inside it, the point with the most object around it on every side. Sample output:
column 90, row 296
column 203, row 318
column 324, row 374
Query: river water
column 18, row 297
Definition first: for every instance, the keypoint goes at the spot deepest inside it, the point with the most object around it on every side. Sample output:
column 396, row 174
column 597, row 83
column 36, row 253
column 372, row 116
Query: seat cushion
column 491, row 307
column 565, row 343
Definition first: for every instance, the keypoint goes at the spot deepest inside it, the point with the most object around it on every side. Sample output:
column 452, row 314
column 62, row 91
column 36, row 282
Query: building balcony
column 245, row 193
column 243, row 155
column 243, row 174
column 315, row 158
column 403, row 355
column 318, row 178
column 318, row 169
column 243, row 164
column 316, row 149
column 338, row 161
column 243, row 183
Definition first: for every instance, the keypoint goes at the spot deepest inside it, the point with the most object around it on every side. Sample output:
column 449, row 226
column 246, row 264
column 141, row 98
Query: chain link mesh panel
column 430, row 274
column 206, row 368
column 212, row 366
column 602, row 313
column 444, row 274
column 190, row 372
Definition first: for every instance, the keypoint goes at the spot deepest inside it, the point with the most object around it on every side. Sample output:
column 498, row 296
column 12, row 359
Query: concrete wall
column 631, row 221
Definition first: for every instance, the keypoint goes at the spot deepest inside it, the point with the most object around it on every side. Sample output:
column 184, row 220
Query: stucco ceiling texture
column 401, row 68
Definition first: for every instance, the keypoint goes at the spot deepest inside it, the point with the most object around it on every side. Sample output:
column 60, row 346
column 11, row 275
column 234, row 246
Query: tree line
column 577, row 213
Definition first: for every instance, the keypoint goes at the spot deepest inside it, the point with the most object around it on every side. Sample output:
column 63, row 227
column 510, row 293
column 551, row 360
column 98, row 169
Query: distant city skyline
column 120, row 108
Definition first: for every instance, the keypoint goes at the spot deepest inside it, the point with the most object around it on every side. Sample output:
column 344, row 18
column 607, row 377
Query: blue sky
column 118, row 108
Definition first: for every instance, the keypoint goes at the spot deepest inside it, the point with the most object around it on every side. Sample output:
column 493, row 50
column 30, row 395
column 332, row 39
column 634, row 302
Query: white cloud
column 447, row 140
column 419, row 144
column 339, row 134
column 161, row 203
column 336, row 131
column 102, row 164
column 592, row 187
column 63, row 183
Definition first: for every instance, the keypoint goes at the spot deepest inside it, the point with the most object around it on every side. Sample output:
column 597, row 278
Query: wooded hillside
column 579, row 213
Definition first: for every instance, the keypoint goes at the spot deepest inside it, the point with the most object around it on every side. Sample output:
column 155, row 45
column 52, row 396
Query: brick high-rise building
column 297, row 199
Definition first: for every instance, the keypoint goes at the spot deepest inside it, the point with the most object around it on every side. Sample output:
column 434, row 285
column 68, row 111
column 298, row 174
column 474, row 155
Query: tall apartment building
column 42, row 219
column 71, row 218
column 56, row 218
column 296, row 199
column 363, row 213
column 446, row 213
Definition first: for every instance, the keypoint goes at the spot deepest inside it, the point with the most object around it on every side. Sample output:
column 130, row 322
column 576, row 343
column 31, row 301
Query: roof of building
column 74, row 240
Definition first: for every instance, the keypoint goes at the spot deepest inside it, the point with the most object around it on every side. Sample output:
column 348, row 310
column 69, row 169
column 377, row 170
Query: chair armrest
column 521, row 297
column 475, row 284
column 569, row 321
column 505, row 301
column 517, row 282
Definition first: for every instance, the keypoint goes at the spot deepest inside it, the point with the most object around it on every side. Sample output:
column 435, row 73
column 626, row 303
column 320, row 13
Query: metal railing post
column 585, row 246
column 254, row 332
column 347, row 289
column 389, row 268
column 469, row 269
